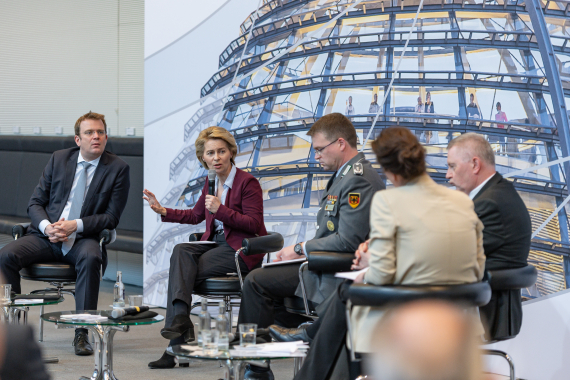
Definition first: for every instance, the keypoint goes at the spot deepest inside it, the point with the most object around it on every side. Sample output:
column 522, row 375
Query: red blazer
column 242, row 214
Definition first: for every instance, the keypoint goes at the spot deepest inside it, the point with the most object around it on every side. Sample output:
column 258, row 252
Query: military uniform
column 343, row 220
column 343, row 223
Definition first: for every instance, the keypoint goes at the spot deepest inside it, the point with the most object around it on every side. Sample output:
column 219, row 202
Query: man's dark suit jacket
column 22, row 355
column 506, row 241
column 242, row 214
column 104, row 202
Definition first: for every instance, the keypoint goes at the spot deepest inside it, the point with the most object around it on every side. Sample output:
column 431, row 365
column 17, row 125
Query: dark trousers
column 191, row 264
column 327, row 346
column 263, row 290
column 85, row 255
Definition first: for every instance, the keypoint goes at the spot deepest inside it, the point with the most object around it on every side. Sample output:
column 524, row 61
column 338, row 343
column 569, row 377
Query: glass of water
column 247, row 334
column 210, row 341
column 5, row 294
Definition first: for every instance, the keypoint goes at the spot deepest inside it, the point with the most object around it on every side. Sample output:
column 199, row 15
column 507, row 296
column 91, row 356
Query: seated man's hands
column 153, row 203
column 362, row 256
column 287, row 253
column 63, row 229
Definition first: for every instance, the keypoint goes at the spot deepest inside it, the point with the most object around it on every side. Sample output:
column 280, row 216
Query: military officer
column 342, row 224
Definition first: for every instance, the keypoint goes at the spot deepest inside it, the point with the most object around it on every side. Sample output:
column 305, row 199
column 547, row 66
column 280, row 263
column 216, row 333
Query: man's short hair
column 91, row 116
column 476, row 145
column 334, row 126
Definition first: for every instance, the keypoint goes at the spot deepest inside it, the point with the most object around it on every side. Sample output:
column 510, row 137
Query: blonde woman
column 234, row 213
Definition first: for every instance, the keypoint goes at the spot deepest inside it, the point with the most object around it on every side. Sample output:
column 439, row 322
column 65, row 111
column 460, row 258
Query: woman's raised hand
column 153, row 203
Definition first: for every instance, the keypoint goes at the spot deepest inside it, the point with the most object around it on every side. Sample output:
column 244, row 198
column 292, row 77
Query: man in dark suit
column 507, row 232
column 82, row 191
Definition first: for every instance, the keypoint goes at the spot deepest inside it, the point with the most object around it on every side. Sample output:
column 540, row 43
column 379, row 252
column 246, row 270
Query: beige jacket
column 420, row 233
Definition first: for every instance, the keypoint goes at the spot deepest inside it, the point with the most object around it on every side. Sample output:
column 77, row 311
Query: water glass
column 135, row 300
column 247, row 334
column 210, row 341
column 5, row 294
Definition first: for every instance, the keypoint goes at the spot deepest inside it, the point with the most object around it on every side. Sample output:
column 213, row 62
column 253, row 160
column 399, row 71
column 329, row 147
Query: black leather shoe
column 181, row 326
column 166, row 361
column 282, row 334
column 253, row 372
column 81, row 344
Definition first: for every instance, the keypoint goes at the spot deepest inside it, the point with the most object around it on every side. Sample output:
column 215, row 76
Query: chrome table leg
column 104, row 352
column 233, row 369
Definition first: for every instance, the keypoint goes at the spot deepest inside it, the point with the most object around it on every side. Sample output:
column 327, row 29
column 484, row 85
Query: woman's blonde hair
column 217, row 133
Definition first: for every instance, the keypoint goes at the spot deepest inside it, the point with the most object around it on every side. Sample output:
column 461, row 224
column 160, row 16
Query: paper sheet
column 24, row 301
column 271, row 264
column 199, row 242
column 351, row 275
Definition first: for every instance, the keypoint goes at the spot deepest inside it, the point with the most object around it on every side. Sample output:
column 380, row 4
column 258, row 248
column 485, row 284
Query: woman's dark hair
column 399, row 152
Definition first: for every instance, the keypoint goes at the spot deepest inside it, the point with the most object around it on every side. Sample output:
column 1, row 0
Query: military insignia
column 331, row 199
column 329, row 207
column 330, row 225
column 358, row 169
column 354, row 199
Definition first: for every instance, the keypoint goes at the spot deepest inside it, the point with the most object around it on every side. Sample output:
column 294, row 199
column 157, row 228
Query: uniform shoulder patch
column 354, row 199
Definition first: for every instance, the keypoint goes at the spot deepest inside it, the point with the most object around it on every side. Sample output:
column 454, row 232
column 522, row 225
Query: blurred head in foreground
column 426, row 340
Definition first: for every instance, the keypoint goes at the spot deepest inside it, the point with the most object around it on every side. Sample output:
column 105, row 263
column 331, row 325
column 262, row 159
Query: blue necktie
column 76, row 204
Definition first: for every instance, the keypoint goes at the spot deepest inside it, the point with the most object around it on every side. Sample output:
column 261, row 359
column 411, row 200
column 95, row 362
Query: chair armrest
column 512, row 279
column 330, row 262
column 271, row 242
column 196, row 236
column 19, row 230
column 107, row 236
column 475, row 294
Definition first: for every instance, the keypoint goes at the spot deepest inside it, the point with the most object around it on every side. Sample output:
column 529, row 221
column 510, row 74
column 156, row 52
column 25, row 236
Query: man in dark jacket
column 507, row 232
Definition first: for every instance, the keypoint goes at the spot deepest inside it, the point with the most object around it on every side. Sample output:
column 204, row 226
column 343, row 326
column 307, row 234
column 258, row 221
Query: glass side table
column 13, row 310
column 104, row 331
column 233, row 361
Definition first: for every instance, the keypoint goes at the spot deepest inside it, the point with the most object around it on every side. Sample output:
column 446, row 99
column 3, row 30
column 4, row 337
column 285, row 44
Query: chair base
column 505, row 356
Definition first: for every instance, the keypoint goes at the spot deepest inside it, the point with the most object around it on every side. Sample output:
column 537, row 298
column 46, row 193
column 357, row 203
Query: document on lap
column 351, row 275
column 199, row 242
column 271, row 264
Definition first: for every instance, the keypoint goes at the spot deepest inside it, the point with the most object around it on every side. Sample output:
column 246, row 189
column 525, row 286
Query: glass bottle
column 205, row 320
column 222, row 327
column 119, row 291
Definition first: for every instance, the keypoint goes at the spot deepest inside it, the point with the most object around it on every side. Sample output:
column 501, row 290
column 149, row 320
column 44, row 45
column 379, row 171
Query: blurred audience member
column 20, row 355
column 425, row 340
column 349, row 108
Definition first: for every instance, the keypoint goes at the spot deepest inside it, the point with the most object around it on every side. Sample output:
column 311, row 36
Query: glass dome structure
column 300, row 60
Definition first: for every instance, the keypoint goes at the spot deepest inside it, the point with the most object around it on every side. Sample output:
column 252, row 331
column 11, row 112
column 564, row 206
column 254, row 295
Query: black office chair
column 228, row 288
column 317, row 261
column 58, row 275
column 466, row 295
column 509, row 279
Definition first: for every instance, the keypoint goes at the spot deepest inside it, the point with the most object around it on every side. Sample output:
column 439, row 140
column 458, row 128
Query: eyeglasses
column 320, row 151
column 89, row 132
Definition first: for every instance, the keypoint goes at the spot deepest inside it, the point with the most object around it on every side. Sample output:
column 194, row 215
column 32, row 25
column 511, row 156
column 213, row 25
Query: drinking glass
column 5, row 294
column 135, row 300
column 210, row 341
column 247, row 334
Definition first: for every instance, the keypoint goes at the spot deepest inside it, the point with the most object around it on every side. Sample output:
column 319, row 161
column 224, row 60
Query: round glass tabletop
column 33, row 301
column 56, row 317
column 192, row 351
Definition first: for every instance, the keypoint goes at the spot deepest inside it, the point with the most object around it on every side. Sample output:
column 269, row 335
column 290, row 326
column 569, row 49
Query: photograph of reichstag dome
column 498, row 68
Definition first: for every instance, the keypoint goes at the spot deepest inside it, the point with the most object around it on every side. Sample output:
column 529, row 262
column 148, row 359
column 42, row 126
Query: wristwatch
column 298, row 249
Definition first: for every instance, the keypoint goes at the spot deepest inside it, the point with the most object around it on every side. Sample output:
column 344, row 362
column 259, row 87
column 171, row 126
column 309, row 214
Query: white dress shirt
column 90, row 172
column 227, row 185
column 476, row 190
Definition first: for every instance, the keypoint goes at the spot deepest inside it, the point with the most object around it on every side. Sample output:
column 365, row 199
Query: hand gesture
column 287, row 253
column 52, row 233
column 362, row 256
column 153, row 203
column 212, row 203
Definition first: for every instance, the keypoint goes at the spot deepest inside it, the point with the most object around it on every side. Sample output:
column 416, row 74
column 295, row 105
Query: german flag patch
column 354, row 199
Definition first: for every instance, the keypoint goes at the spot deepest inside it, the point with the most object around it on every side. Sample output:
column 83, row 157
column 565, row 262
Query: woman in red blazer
column 235, row 213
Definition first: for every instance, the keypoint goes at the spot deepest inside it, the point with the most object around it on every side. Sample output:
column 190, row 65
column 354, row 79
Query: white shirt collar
column 230, row 180
column 476, row 190
column 95, row 162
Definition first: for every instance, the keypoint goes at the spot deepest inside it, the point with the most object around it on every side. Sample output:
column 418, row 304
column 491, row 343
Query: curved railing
column 476, row 38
